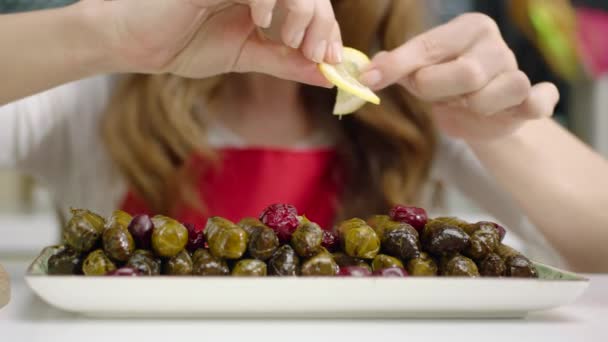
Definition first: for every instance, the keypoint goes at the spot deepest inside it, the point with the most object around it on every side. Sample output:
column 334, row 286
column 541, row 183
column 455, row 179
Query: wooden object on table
column 5, row 287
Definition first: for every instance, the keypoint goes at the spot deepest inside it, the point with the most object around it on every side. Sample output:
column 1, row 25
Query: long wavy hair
column 151, row 127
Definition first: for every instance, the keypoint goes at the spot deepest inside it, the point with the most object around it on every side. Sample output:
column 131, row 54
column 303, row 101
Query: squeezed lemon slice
column 352, row 95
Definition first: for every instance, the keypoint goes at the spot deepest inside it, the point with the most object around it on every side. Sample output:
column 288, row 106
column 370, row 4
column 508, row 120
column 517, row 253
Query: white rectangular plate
column 215, row 297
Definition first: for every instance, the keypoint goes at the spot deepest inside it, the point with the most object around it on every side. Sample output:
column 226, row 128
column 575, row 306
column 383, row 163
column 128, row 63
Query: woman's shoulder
column 48, row 136
column 35, row 124
column 91, row 84
column 89, row 94
column 84, row 102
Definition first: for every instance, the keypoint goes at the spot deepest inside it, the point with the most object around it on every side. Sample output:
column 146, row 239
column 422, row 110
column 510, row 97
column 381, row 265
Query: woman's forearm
column 560, row 183
column 42, row 49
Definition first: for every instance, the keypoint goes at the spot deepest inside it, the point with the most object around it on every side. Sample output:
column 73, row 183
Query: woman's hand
column 203, row 38
column 469, row 76
column 470, row 79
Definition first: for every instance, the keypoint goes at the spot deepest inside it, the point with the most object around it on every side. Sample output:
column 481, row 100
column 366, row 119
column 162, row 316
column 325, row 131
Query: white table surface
column 27, row 318
column 23, row 234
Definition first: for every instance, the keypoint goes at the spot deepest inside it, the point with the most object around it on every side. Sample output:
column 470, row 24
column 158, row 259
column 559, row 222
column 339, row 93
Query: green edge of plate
column 39, row 265
column 545, row 272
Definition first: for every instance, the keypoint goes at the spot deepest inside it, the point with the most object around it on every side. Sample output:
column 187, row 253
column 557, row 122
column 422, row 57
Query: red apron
column 248, row 180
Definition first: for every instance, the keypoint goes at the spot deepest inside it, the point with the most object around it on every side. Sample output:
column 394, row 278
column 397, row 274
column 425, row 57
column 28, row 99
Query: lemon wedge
column 352, row 95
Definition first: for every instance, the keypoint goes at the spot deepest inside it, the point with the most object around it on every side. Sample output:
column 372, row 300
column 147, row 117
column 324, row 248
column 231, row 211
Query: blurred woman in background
column 209, row 117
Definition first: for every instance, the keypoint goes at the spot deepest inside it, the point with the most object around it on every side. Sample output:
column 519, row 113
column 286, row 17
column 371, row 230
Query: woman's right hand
column 204, row 38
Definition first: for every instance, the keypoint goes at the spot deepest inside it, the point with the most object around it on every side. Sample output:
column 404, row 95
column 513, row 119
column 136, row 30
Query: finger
column 299, row 16
column 435, row 46
column 506, row 91
column 336, row 48
column 261, row 11
column 540, row 103
column 466, row 74
column 279, row 61
column 319, row 36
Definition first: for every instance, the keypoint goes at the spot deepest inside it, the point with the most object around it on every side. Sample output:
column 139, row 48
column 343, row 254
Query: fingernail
column 336, row 49
column 267, row 20
column 319, row 53
column 297, row 39
column 371, row 78
column 328, row 85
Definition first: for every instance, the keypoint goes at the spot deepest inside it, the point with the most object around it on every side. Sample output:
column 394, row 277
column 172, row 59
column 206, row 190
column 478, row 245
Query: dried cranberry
column 416, row 217
column 125, row 272
column 141, row 228
column 330, row 240
column 196, row 239
column 391, row 272
column 354, row 271
column 282, row 218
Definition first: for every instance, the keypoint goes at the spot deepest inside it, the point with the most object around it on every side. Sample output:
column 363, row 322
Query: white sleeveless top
column 55, row 137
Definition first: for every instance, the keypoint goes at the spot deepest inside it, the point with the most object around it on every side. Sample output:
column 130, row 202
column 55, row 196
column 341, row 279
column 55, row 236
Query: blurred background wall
column 554, row 40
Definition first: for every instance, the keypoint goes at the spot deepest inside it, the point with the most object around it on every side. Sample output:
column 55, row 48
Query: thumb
column 267, row 57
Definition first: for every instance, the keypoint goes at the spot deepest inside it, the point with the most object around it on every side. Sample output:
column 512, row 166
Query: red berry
column 354, row 271
column 282, row 218
column 125, row 272
column 391, row 272
column 416, row 217
column 196, row 239
column 330, row 240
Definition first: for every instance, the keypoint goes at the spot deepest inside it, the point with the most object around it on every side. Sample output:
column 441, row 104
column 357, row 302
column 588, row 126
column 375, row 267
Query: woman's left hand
column 469, row 76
